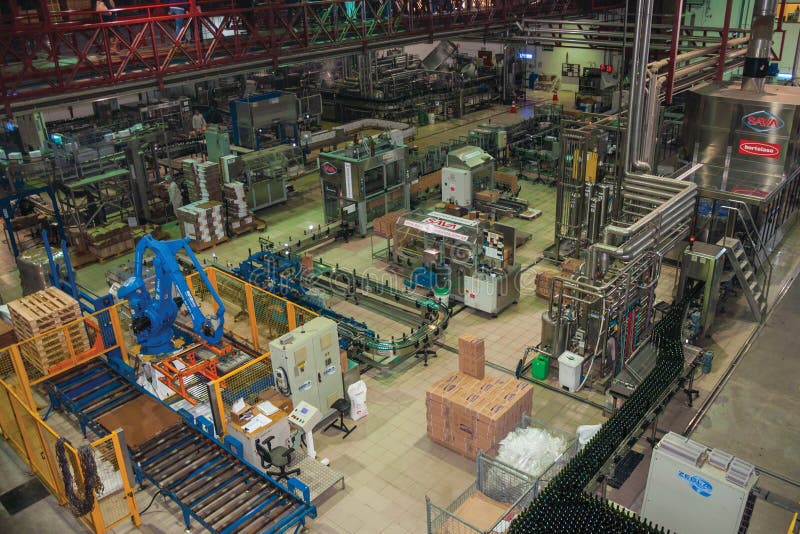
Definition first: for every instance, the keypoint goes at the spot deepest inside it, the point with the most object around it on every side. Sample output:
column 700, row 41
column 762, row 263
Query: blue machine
column 154, row 315
column 281, row 274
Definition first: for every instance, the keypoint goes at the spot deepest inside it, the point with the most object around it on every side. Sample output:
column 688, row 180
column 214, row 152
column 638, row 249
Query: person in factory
column 175, row 197
column 198, row 122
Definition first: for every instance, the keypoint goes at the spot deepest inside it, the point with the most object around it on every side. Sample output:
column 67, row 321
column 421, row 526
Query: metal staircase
column 748, row 257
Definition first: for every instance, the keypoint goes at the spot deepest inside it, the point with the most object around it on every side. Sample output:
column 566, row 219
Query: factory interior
column 395, row 266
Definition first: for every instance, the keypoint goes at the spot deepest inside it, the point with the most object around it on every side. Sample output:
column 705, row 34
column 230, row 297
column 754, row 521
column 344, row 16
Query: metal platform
column 319, row 478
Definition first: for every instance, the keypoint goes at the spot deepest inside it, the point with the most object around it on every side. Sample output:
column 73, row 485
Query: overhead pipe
column 796, row 64
column 756, row 63
column 723, row 46
column 673, row 49
column 644, row 17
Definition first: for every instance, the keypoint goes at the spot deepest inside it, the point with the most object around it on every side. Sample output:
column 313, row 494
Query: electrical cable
column 146, row 508
column 91, row 479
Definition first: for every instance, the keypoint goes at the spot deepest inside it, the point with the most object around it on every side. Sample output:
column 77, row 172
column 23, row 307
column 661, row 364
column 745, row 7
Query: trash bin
column 540, row 367
column 357, row 393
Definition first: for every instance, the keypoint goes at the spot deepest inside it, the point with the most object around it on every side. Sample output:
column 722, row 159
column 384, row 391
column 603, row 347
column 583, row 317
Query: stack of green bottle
column 563, row 506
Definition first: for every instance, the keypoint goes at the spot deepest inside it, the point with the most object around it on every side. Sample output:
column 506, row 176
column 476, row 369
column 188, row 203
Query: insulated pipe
column 687, row 194
column 641, row 49
column 686, row 56
column 756, row 63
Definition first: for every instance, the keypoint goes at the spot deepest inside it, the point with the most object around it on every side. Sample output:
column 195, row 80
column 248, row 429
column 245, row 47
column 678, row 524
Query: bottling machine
column 365, row 180
column 470, row 260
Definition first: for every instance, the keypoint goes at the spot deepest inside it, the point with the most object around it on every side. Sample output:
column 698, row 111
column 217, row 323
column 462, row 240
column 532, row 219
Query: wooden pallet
column 200, row 246
column 42, row 313
column 257, row 224
column 102, row 254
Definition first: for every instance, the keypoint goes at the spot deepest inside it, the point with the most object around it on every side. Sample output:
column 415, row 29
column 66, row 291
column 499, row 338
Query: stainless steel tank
column 548, row 330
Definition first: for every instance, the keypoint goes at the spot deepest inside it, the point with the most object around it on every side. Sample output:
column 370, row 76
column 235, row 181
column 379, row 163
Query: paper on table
column 267, row 408
column 257, row 422
column 238, row 406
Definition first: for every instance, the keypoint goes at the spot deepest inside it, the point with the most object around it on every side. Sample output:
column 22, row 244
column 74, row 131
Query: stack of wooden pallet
column 202, row 222
column 240, row 218
column 109, row 240
column 41, row 313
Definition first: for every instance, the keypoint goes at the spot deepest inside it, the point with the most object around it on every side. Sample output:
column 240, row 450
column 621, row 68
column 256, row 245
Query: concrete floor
column 389, row 463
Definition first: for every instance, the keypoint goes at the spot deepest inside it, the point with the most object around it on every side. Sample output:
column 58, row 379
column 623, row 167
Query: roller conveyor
column 90, row 391
column 209, row 483
column 214, row 487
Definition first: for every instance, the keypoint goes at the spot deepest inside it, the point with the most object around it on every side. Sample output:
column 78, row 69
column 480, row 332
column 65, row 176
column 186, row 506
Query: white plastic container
column 569, row 370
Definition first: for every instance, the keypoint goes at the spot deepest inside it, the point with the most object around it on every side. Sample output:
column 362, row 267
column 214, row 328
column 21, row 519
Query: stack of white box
column 202, row 221
column 238, row 214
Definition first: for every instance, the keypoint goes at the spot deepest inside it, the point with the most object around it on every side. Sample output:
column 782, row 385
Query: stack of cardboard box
column 487, row 195
column 471, row 356
column 207, row 179
column 109, row 240
column 466, row 414
column 236, row 206
column 202, row 222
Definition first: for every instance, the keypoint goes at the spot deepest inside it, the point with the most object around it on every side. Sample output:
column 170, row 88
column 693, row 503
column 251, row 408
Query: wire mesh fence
column 245, row 383
column 252, row 314
column 37, row 444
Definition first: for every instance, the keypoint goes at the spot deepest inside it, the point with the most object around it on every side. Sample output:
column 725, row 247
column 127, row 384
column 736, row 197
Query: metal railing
column 753, row 244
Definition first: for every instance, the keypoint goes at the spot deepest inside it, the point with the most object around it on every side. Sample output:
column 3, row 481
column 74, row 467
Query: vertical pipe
column 673, row 49
column 723, row 44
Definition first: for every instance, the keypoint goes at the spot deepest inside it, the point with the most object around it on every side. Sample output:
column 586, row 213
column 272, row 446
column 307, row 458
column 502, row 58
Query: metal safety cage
column 37, row 445
column 495, row 480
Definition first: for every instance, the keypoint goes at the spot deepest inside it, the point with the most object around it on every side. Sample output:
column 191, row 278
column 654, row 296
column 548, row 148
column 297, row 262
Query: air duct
column 756, row 62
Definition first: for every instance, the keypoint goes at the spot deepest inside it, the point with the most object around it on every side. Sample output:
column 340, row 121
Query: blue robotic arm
column 154, row 315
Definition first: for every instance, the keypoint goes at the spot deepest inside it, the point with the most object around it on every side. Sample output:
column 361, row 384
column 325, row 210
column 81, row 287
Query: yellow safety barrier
column 35, row 442
column 246, row 383
column 794, row 526
column 253, row 315
column 41, row 357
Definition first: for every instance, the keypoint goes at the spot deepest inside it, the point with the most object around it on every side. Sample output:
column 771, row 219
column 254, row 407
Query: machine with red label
column 468, row 260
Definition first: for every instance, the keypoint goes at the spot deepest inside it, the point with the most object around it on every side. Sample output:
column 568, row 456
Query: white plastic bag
column 357, row 393
column 586, row 433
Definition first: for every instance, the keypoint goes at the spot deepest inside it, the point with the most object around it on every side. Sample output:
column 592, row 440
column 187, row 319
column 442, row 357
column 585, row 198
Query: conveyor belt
column 90, row 391
column 209, row 483
column 214, row 487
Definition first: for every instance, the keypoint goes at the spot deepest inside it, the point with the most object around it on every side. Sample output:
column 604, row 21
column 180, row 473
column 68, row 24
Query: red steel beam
column 673, row 49
column 723, row 44
column 79, row 46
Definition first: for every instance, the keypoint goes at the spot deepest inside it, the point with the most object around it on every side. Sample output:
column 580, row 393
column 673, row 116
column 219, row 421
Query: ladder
column 748, row 256
column 746, row 275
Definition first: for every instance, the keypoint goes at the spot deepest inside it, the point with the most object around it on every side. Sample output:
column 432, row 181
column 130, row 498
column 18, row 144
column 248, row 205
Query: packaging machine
column 470, row 260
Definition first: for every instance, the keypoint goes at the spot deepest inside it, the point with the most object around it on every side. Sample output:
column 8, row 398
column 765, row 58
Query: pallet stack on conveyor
column 203, row 223
column 41, row 313
column 239, row 217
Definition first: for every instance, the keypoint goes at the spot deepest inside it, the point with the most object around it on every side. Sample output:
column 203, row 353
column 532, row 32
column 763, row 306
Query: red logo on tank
column 759, row 149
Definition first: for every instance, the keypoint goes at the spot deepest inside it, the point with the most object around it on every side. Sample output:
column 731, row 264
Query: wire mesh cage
column 499, row 490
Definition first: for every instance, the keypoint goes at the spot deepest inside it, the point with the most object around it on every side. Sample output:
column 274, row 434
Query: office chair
column 279, row 457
